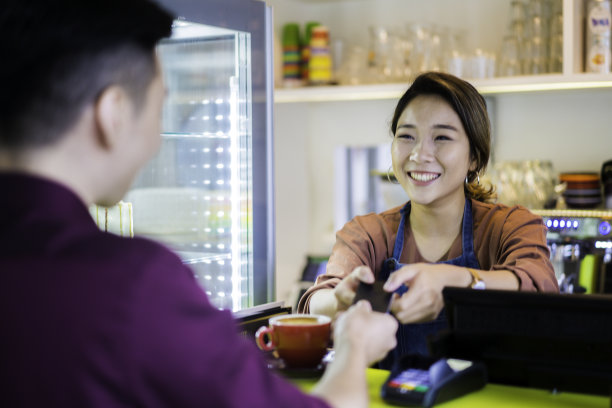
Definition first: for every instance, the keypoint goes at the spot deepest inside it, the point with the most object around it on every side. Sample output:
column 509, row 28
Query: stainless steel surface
column 580, row 243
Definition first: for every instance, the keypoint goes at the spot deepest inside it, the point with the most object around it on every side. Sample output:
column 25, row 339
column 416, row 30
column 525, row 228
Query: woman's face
column 431, row 151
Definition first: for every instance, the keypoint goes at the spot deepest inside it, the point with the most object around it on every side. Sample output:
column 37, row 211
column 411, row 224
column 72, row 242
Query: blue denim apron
column 412, row 338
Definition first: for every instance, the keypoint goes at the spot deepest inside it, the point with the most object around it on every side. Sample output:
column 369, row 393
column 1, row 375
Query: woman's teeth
column 424, row 176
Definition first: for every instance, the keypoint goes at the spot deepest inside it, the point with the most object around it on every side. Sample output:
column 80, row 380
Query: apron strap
column 399, row 238
column 467, row 230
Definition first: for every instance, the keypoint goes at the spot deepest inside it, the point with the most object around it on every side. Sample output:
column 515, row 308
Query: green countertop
column 492, row 395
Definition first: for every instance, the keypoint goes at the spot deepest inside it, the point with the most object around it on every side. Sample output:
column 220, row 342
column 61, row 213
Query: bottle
column 606, row 181
column 597, row 47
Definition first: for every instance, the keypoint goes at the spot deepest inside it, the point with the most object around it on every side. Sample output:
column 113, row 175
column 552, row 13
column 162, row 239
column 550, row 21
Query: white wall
column 573, row 129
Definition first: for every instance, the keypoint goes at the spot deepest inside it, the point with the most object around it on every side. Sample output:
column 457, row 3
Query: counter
column 492, row 395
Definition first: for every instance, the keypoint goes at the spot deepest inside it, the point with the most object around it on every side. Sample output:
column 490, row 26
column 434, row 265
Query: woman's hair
column 471, row 108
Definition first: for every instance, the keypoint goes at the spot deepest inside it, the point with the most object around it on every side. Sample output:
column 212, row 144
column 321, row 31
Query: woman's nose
column 422, row 152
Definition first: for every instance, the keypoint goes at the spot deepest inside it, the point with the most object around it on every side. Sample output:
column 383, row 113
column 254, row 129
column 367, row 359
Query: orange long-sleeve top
column 505, row 238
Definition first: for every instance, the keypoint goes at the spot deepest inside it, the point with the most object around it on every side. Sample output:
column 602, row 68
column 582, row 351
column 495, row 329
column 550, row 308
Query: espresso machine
column 580, row 243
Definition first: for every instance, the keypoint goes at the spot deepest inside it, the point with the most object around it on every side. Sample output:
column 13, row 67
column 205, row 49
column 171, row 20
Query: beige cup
column 300, row 339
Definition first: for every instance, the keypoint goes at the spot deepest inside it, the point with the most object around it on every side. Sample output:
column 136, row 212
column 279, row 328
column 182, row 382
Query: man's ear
column 111, row 112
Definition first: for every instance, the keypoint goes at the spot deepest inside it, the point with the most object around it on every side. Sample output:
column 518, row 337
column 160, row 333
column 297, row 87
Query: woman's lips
column 423, row 178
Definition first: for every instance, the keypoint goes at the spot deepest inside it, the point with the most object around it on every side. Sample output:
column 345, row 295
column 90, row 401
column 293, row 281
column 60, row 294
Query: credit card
column 375, row 294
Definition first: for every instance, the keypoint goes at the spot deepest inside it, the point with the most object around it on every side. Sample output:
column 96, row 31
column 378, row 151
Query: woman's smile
column 421, row 177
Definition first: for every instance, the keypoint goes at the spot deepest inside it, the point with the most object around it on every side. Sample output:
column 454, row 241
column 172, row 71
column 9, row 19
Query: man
column 95, row 320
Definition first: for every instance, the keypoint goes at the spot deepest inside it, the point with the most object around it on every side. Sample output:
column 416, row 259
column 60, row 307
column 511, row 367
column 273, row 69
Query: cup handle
column 259, row 338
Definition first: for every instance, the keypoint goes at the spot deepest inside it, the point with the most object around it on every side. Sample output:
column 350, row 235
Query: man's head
column 86, row 68
column 61, row 54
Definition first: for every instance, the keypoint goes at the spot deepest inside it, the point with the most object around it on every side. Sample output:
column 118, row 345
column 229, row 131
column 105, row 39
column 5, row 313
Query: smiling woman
column 431, row 152
column 449, row 234
column 470, row 117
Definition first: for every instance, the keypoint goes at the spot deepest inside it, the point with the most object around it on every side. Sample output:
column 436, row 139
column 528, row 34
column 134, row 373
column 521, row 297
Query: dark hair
column 60, row 55
column 471, row 108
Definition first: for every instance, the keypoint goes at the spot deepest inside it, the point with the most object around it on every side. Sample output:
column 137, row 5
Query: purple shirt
column 90, row 319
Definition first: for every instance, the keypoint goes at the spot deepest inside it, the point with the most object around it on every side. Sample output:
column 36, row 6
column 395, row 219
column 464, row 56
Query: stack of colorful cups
column 306, row 49
column 320, row 64
column 291, row 55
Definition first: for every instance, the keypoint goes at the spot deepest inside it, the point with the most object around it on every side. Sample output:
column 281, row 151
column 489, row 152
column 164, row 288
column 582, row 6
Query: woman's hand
column 346, row 289
column 423, row 301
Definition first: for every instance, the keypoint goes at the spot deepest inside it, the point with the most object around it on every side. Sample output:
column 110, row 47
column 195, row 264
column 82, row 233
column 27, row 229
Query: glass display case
column 207, row 193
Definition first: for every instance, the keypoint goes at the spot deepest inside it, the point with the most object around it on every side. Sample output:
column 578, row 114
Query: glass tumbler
column 510, row 57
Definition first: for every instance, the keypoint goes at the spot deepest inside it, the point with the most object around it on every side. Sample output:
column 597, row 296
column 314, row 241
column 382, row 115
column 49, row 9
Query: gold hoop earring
column 467, row 180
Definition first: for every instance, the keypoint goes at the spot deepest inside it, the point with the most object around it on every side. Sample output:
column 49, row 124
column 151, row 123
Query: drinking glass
column 420, row 36
column 510, row 57
column 556, row 40
column 353, row 69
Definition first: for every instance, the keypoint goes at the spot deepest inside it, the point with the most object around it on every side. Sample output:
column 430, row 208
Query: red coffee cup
column 299, row 339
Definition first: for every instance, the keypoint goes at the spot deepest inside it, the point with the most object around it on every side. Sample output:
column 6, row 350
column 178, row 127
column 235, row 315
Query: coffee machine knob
column 604, row 228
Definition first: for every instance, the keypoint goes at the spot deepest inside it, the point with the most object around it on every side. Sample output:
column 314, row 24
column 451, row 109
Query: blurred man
column 90, row 319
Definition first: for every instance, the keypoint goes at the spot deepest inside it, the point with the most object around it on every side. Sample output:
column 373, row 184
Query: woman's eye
column 442, row 137
column 405, row 136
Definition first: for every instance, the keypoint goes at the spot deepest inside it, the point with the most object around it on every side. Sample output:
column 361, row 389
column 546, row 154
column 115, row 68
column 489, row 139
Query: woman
column 448, row 234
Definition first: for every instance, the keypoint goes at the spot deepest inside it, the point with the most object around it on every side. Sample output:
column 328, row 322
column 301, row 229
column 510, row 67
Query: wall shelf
column 489, row 86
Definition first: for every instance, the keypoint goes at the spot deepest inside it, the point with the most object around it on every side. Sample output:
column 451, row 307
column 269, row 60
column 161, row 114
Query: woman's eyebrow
column 437, row 126
column 443, row 126
column 409, row 126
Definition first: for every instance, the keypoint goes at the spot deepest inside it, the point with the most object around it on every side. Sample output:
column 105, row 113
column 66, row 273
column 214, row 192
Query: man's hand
column 365, row 331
